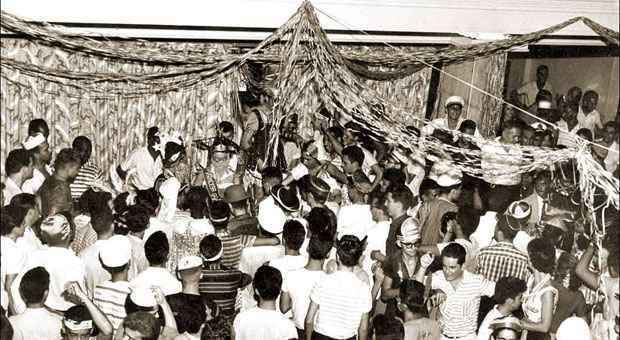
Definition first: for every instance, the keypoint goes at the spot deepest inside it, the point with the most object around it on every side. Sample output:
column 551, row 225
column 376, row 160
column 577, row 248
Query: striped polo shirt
column 110, row 298
column 233, row 246
column 88, row 174
column 342, row 300
column 220, row 284
column 459, row 313
column 501, row 260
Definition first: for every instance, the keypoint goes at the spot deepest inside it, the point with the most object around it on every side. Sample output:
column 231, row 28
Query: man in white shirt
column 13, row 256
column 264, row 322
column 144, row 163
column 293, row 236
column 19, row 168
column 298, row 284
column 528, row 92
column 588, row 116
column 454, row 109
column 59, row 261
column 40, row 149
column 102, row 223
column 501, row 167
column 157, row 250
column 461, row 292
column 508, row 295
column 340, row 302
column 36, row 322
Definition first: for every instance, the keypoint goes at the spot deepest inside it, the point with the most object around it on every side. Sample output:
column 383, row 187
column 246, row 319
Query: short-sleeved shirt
column 88, row 174
column 590, row 121
column 459, row 313
column 262, row 324
column 146, row 168
column 156, row 276
column 243, row 224
column 95, row 274
column 219, row 284
column 298, row 284
column 110, row 298
column 233, row 246
column 36, row 324
column 342, row 298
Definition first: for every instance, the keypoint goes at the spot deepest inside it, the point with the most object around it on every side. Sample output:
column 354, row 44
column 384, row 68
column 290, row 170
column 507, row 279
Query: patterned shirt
column 459, row 313
column 220, row 284
column 110, row 298
column 502, row 259
column 87, row 175
column 233, row 246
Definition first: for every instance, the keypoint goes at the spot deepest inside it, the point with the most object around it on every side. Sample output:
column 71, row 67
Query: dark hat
column 235, row 193
column 286, row 197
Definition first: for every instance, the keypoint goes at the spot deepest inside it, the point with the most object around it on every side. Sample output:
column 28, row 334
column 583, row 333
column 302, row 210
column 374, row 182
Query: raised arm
column 583, row 271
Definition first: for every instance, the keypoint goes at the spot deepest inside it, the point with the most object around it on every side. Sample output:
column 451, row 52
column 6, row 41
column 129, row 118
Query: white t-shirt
column 11, row 189
column 354, row 219
column 298, row 284
column 36, row 324
column 95, row 274
column 590, row 121
column 342, row 298
column 63, row 266
column 484, row 332
column 161, row 277
column 146, row 169
column 288, row 263
column 262, row 324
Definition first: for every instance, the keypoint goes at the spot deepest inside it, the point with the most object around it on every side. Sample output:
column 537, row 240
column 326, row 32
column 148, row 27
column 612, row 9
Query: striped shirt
column 502, row 259
column 110, row 298
column 342, row 300
column 233, row 246
column 88, row 174
column 459, row 313
column 220, row 284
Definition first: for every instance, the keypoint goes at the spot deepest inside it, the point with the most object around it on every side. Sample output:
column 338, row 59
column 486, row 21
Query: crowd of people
column 333, row 236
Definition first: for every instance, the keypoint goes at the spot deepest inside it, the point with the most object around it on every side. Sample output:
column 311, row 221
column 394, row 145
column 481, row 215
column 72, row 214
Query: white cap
column 33, row 141
column 354, row 220
column 455, row 100
column 143, row 297
column 544, row 104
column 445, row 174
column 270, row 216
column 410, row 230
column 539, row 126
column 189, row 262
column 519, row 209
column 115, row 251
column 573, row 328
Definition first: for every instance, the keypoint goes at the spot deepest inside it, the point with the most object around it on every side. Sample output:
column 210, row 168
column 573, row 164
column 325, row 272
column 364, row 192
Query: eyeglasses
column 407, row 244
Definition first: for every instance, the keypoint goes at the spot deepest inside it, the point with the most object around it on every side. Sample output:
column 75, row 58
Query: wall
column 597, row 73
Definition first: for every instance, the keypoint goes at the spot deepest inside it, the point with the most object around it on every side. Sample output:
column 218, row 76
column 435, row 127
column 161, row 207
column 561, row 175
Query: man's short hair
column 149, row 199
column 402, row 194
column 157, row 248
column 210, row 246
column 145, row 323
column 83, row 147
column 38, row 125
column 226, row 127
column 293, row 234
column 91, row 201
column 412, row 295
column 318, row 248
column 34, row 284
column 189, row 316
column 508, row 288
column 426, row 185
column 454, row 251
column 585, row 133
column 16, row 160
column 66, row 157
column 102, row 219
column 349, row 250
column 24, row 200
column 542, row 67
column 377, row 200
column 387, row 328
column 219, row 214
column 268, row 282
column 542, row 255
column 354, row 154
column 137, row 218
column 467, row 124
column 336, row 131
column 197, row 201
column 11, row 217
column 395, row 176
column 322, row 223
column 79, row 314
column 271, row 172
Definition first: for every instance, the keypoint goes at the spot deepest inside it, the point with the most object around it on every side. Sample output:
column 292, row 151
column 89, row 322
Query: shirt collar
column 10, row 183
